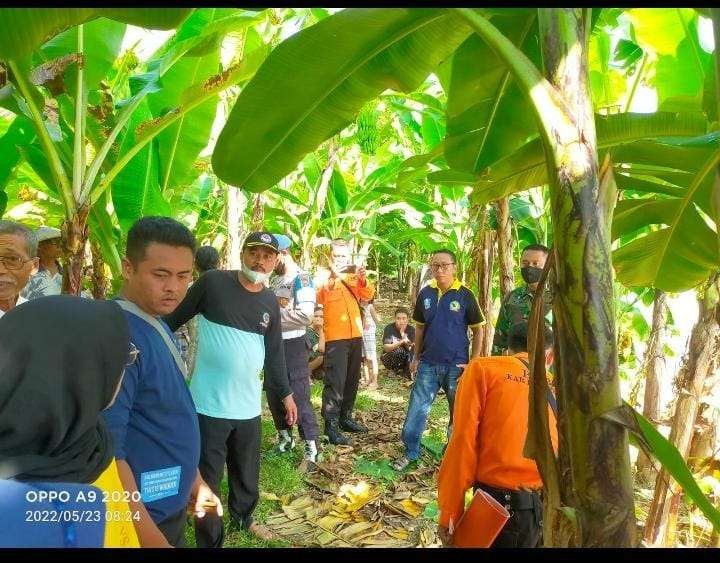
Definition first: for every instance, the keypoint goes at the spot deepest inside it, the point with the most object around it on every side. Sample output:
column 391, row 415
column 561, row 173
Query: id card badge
column 161, row 483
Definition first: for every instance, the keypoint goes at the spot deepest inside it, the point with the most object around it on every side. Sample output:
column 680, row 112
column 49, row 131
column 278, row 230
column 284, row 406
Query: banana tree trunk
column 234, row 211
column 704, row 455
column 99, row 278
column 594, row 457
column 485, row 293
column 74, row 238
column 482, row 256
column 376, row 259
column 652, row 372
column 258, row 214
column 700, row 363
column 401, row 268
column 704, row 447
column 505, row 246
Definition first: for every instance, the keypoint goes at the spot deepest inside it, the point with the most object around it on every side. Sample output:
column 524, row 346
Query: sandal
column 402, row 463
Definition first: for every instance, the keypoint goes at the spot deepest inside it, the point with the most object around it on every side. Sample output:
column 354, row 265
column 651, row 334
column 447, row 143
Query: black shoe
column 334, row 435
column 350, row 425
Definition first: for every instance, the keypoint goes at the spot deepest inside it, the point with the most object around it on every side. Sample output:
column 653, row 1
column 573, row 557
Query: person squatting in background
column 398, row 344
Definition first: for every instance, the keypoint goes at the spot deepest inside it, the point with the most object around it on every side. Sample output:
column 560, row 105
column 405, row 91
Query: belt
column 290, row 334
column 517, row 500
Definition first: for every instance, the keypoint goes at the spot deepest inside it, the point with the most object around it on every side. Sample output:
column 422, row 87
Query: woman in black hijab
column 61, row 363
column 62, row 360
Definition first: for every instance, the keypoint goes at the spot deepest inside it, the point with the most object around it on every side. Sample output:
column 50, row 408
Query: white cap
column 47, row 233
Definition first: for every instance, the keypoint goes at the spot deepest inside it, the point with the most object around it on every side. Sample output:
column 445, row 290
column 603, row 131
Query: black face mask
column 531, row 274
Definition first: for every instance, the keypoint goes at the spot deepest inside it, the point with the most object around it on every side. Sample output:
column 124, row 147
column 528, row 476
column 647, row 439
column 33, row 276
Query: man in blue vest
column 444, row 311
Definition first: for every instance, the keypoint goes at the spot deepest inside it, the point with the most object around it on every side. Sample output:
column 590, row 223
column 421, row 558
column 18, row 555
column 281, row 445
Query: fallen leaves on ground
column 354, row 498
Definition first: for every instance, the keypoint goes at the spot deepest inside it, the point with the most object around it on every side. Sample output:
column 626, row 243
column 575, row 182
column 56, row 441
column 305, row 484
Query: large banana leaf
column 145, row 130
column 526, row 167
column 136, row 189
column 484, row 102
column 20, row 133
column 683, row 251
column 314, row 83
column 24, row 29
column 660, row 29
column 681, row 61
column 180, row 144
column 194, row 38
column 102, row 40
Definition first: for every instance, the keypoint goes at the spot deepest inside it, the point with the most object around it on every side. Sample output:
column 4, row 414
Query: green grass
column 316, row 390
column 364, row 402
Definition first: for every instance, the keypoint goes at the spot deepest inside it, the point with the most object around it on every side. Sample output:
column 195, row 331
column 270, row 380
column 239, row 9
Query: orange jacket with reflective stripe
column 340, row 309
column 488, row 435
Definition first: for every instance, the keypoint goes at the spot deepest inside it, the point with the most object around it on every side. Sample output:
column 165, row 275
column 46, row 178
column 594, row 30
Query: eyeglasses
column 132, row 355
column 438, row 267
column 13, row 262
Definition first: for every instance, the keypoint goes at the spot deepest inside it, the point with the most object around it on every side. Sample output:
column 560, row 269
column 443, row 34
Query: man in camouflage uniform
column 516, row 305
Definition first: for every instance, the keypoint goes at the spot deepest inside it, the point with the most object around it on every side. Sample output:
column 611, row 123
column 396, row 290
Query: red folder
column 481, row 523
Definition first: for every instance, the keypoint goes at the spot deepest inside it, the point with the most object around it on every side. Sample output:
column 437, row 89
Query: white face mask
column 253, row 276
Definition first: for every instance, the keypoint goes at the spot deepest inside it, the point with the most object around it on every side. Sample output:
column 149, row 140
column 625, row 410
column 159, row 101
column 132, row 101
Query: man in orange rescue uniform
column 486, row 449
column 340, row 296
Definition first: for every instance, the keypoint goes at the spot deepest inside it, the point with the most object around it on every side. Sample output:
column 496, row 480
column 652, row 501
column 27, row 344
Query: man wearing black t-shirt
column 239, row 335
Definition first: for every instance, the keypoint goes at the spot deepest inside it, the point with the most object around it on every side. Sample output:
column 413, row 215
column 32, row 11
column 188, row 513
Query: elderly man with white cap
column 292, row 283
column 48, row 279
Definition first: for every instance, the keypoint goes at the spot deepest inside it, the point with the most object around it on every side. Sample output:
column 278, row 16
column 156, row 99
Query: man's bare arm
column 147, row 531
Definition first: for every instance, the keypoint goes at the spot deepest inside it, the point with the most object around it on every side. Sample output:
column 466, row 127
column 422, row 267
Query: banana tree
column 96, row 153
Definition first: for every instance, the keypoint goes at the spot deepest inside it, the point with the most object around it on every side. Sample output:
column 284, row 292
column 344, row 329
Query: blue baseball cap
column 284, row 242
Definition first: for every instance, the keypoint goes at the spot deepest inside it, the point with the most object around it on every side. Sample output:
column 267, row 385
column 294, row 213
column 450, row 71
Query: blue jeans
column 428, row 381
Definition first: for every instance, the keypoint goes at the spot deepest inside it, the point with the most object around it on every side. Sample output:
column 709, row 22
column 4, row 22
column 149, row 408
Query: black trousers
column 524, row 528
column 342, row 377
column 296, row 357
column 173, row 528
column 237, row 444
